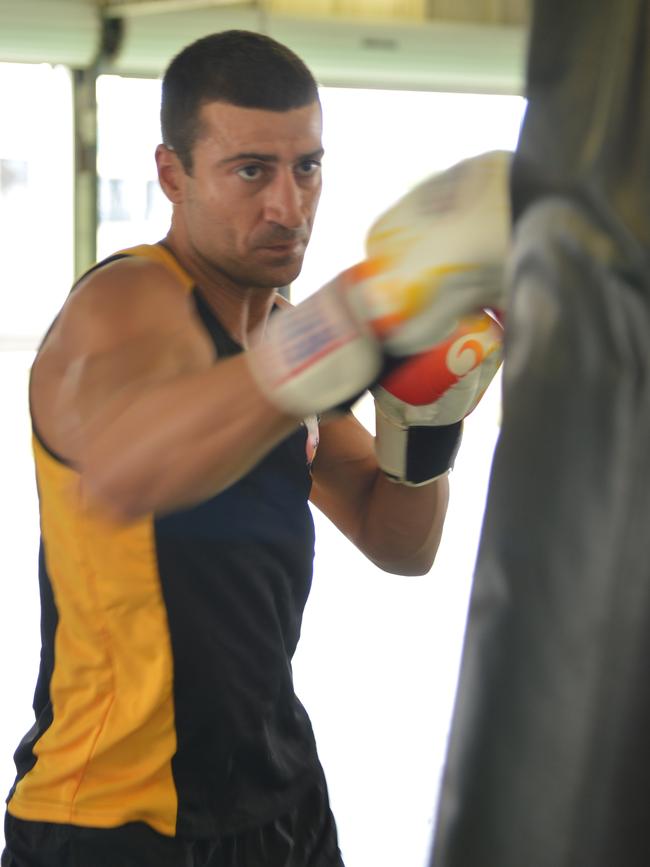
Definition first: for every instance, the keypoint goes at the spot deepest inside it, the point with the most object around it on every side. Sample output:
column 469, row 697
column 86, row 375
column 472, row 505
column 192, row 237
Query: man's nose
column 284, row 201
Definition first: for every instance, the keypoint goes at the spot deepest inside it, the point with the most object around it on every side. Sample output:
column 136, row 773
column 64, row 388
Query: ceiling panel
column 54, row 31
column 376, row 43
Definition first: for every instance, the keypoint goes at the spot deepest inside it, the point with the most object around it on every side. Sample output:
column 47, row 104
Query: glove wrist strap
column 415, row 454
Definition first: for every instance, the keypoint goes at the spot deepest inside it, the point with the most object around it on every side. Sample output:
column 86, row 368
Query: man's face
column 250, row 201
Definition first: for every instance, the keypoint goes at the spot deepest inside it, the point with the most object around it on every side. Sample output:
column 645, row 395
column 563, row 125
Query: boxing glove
column 319, row 354
column 442, row 249
column 421, row 404
column 434, row 257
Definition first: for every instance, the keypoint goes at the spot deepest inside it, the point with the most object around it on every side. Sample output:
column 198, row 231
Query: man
column 174, row 409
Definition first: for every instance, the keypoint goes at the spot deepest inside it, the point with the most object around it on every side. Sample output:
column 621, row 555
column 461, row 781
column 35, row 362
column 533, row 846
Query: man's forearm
column 403, row 525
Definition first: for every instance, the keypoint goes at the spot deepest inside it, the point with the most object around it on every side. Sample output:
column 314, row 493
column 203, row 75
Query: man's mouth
column 286, row 247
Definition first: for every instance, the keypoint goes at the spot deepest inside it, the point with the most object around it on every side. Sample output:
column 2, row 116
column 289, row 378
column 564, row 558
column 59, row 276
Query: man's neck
column 242, row 311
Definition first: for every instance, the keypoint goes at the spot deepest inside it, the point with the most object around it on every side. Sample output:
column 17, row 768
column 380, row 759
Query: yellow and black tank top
column 165, row 690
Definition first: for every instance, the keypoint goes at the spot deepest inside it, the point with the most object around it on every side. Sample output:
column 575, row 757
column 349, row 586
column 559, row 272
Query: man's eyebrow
column 249, row 155
column 269, row 158
column 314, row 155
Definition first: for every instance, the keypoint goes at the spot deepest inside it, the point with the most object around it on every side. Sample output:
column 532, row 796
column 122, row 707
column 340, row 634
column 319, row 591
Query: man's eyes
column 250, row 173
column 309, row 167
column 255, row 171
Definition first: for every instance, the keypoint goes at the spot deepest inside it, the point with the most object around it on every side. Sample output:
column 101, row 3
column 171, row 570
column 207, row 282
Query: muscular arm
column 397, row 527
column 127, row 390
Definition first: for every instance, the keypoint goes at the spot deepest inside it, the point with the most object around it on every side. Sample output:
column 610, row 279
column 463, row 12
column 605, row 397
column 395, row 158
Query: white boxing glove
column 319, row 354
column 420, row 406
column 435, row 257
column 442, row 249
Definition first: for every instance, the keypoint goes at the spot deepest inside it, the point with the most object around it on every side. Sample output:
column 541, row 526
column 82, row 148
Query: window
column 14, row 184
column 378, row 660
column 36, row 198
column 133, row 209
column 36, row 268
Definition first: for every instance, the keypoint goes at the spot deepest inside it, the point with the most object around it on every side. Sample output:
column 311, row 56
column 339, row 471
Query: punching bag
column 549, row 756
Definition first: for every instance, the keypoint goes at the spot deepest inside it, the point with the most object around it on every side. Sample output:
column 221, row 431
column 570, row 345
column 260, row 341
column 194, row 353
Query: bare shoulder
column 119, row 301
column 125, row 326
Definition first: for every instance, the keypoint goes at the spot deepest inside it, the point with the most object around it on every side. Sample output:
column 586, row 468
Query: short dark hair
column 236, row 66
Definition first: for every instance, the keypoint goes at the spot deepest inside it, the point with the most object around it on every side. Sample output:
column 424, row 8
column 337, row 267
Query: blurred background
column 408, row 87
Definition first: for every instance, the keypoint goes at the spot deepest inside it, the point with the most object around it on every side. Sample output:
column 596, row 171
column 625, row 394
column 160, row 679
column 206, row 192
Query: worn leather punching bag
column 549, row 756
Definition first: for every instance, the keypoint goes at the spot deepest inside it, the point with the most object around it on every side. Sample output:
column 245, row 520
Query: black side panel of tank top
column 235, row 574
column 24, row 756
column 223, row 342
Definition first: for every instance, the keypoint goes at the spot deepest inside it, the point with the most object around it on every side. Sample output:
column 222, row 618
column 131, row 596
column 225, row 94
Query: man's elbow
column 409, row 563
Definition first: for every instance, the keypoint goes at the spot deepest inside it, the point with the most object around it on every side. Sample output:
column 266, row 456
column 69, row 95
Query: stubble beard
column 267, row 275
column 245, row 276
column 244, row 270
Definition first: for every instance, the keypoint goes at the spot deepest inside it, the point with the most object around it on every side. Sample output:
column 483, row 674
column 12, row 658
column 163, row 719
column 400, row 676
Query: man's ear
column 171, row 174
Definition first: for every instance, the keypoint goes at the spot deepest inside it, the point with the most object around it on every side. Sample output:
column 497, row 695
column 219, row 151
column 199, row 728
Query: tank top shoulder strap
column 223, row 342
column 159, row 253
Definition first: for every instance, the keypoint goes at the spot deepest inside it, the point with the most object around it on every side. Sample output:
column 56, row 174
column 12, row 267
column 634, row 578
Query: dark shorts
column 303, row 837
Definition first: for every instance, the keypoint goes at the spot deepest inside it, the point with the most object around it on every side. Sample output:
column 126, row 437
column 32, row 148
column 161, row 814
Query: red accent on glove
column 425, row 377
